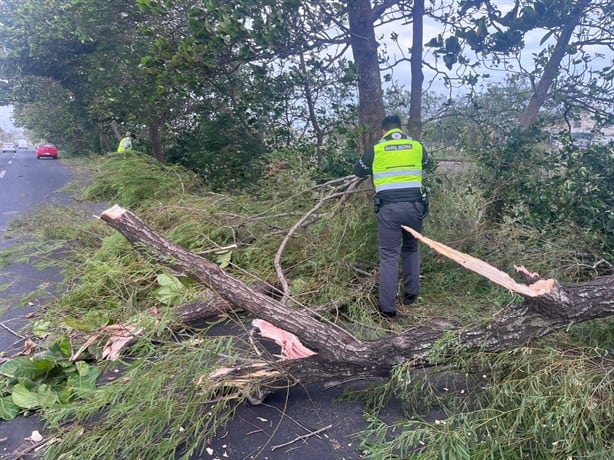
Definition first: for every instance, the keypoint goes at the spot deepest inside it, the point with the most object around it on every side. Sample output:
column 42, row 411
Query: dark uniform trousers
column 390, row 217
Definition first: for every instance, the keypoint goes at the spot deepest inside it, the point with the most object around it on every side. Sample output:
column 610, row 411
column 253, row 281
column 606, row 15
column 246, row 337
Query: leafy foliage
column 540, row 187
column 133, row 179
column 224, row 154
column 525, row 392
column 44, row 382
column 159, row 411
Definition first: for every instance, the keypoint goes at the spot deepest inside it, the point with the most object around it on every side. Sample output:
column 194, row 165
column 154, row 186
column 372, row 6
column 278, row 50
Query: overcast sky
column 6, row 112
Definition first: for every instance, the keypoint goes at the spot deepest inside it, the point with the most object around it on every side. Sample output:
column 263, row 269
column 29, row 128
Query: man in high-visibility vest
column 126, row 143
column 396, row 162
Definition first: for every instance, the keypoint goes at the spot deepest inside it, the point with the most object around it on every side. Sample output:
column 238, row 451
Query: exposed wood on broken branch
column 547, row 307
column 536, row 288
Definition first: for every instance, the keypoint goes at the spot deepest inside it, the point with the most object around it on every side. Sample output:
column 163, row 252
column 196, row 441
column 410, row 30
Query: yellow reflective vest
column 397, row 162
column 124, row 144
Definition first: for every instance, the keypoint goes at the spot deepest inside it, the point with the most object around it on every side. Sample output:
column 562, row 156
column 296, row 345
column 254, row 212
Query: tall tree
column 570, row 64
column 364, row 49
column 417, row 76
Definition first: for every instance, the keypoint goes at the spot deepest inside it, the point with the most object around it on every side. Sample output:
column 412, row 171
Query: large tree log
column 321, row 335
column 547, row 308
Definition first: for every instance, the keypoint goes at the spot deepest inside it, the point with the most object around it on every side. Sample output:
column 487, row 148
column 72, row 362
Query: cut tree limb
column 547, row 307
column 320, row 335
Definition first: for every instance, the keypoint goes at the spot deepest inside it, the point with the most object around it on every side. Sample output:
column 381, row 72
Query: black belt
column 417, row 200
column 409, row 198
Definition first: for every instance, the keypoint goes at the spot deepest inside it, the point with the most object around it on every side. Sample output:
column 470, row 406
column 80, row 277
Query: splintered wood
column 539, row 288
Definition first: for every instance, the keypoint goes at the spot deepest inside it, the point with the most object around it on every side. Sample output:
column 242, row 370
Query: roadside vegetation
column 555, row 396
column 248, row 114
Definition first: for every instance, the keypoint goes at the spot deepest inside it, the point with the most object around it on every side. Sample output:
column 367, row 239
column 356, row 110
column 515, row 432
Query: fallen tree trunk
column 548, row 307
column 211, row 305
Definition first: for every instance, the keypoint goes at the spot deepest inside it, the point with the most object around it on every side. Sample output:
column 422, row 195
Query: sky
column 6, row 112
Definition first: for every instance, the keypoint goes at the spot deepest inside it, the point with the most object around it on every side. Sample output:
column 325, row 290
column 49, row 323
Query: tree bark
column 364, row 49
column 156, row 144
column 548, row 307
column 552, row 66
column 201, row 310
column 414, row 125
column 211, row 305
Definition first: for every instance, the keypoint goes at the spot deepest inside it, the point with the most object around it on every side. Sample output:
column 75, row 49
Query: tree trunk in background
column 364, row 49
column 414, row 125
column 102, row 140
column 313, row 118
column 116, row 130
column 552, row 67
column 154, row 137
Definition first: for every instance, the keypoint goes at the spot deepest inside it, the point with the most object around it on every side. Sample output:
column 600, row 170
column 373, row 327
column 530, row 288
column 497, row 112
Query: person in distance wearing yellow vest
column 126, row 143
column 395, row 163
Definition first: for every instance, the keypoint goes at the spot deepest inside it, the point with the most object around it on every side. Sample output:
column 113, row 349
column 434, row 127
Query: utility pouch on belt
column 424, row 193
column 377, row 203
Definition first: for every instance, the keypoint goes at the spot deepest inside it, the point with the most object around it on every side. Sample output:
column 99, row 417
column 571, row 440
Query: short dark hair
column 391, row 122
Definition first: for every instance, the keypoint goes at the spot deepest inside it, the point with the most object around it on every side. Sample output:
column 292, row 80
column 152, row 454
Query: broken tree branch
column 322, row 336
column 546, row 308
column 301, row 438
column 348, row 186
column 486, row 270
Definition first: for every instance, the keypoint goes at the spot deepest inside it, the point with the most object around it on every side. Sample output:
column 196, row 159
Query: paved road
column 25, row 183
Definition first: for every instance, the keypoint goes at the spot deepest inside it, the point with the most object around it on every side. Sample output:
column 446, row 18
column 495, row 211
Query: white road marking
column 10, row 162
column 2, row 173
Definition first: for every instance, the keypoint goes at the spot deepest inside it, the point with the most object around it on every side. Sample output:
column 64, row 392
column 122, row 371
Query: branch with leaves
column 331, row 353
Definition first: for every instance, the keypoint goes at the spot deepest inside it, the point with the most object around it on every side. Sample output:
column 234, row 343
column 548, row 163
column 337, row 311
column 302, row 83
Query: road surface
column 25, row 184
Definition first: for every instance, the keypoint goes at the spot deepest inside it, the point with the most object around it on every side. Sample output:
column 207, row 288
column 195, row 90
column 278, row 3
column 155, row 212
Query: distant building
column 582, row 131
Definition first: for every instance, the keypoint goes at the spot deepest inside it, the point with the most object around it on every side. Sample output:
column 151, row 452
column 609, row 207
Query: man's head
column 132, row 136
column 391, row 122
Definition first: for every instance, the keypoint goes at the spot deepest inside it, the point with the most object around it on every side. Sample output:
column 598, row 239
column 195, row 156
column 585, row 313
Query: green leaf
column 24, row 398
column 41, row 328
column 84, row 382
column 169, row 281
column 47, row 396
column 546, row 37
column 223, row 259
column 79, row 325
column 61, row 347
column 8, row 409
column 171, row 289
column 98, row 318
column 30, row 368
column 82, row 368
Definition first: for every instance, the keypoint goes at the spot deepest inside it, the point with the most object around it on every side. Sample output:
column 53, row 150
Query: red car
column 46, row 151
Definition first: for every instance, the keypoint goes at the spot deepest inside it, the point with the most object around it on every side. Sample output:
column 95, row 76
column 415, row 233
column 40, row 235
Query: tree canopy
column 284, row 73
